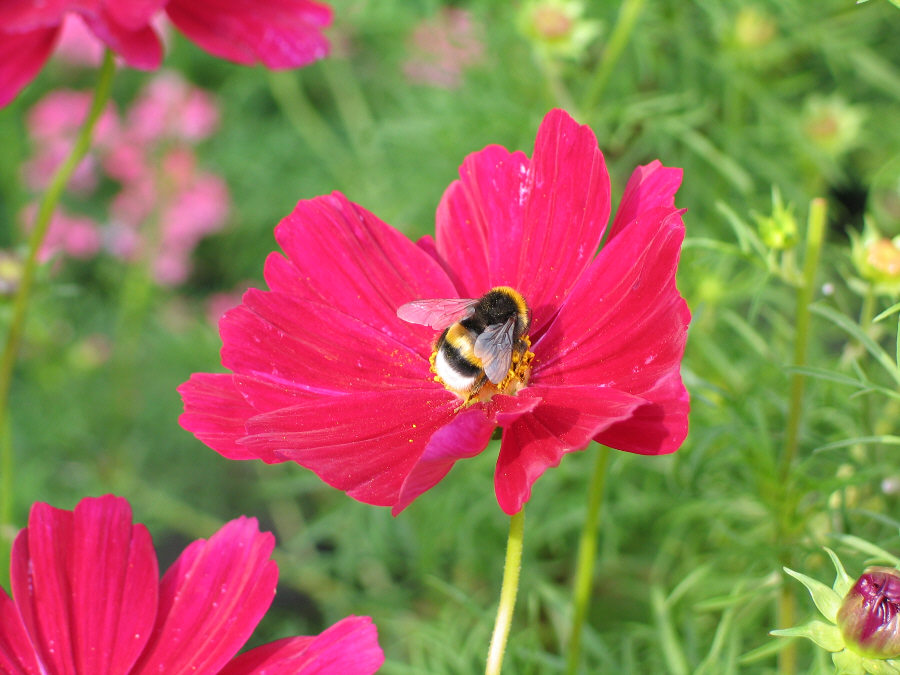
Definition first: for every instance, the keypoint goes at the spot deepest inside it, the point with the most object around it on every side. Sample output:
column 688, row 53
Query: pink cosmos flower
column 276, row 33
column 325, row 374
column 442, row 47
column 53, row 124
column 75, row 236
column 88, row 599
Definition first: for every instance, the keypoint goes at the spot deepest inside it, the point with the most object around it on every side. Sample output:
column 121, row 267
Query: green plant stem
column 587, row 554
column 508, row 591
column 20, row 302
column 618, row 38
column 815, row 232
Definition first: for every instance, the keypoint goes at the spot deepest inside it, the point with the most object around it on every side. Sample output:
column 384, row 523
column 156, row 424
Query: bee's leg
column 473, row 394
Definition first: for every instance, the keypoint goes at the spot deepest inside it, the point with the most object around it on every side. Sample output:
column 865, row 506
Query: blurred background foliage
column 793, row 95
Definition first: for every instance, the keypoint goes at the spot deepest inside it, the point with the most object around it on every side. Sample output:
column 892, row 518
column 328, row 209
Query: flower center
column 482, row 389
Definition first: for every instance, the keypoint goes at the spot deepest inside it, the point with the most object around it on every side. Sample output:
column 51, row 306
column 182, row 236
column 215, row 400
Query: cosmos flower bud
column 556, row 27
column 877, row 258
column 11, row 267
column 753, row 28
column 869, row 617
column 778, row 231
column 832, row 124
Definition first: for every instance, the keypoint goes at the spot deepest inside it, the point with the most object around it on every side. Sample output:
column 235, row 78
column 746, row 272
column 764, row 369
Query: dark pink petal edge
column 349, row 647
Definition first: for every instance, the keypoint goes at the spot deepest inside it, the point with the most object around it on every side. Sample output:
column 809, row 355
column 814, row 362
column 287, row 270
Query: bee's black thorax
column 496, row 307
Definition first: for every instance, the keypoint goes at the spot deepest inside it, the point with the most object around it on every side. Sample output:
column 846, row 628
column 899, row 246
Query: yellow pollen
column 516, row 378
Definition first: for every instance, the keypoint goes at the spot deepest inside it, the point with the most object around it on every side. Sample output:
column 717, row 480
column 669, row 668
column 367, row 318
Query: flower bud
column 877, row 258
column 778, row 231
column 11, row 269
column 556, row 27
column 869, row 617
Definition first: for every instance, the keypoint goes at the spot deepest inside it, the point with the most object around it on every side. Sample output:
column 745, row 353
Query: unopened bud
column 556, row 27
column 869, row 617
column 778, row 231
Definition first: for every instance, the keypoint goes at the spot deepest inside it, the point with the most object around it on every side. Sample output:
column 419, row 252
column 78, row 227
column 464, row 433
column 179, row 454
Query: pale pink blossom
column 442, row 47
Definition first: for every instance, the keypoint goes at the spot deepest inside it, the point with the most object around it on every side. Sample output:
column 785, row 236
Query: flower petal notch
column 378, row 363
column 88, row 599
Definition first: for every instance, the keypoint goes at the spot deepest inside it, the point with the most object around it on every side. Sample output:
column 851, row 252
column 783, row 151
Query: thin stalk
column 587, row 554
column 618, row 39
column 508, row 591
column 20, row 302
column 815, row 232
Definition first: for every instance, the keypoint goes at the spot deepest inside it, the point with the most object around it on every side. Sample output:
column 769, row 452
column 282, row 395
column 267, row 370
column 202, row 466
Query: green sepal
column 825, row 598
column 848, row 663
column 826, row 635
column 842, row 581
column 880, row 667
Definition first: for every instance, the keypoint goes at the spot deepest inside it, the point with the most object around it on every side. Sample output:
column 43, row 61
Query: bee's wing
column 494, row 347
column 438, row 313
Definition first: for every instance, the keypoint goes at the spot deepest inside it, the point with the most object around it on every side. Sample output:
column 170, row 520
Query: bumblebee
column 484, row 347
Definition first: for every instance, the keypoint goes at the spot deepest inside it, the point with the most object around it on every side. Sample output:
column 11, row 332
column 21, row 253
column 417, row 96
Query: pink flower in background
column 170, row 107
column 53, row 124
column 75, row 236
column 325, row 374
column 166, row 204
column 277, row 33
column 442, row 47
column 88, row 599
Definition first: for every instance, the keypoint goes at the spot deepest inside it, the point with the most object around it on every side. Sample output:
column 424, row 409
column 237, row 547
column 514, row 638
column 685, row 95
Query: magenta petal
column 349, row 647
column 465, row 436
column 634, row 337
column 19, row 16
column 17, row 656
column 134, row 14
column 211, row 599
column 566, row 421
column 365, row 443
column 114, row 584
column 22, row 55
column 345, row 257
column 215, row 412
column 312, row 346
column 276, row 33
column 657, row 427
column 139, row 48
column 531, row 224
column 85, row 583
column 650, row 186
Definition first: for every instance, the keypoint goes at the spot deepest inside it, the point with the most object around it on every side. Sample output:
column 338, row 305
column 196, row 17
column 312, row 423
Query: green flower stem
column 508, row 591
column 587, row 553
column 20, row 303
column 815, row 234
column 618, row 39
